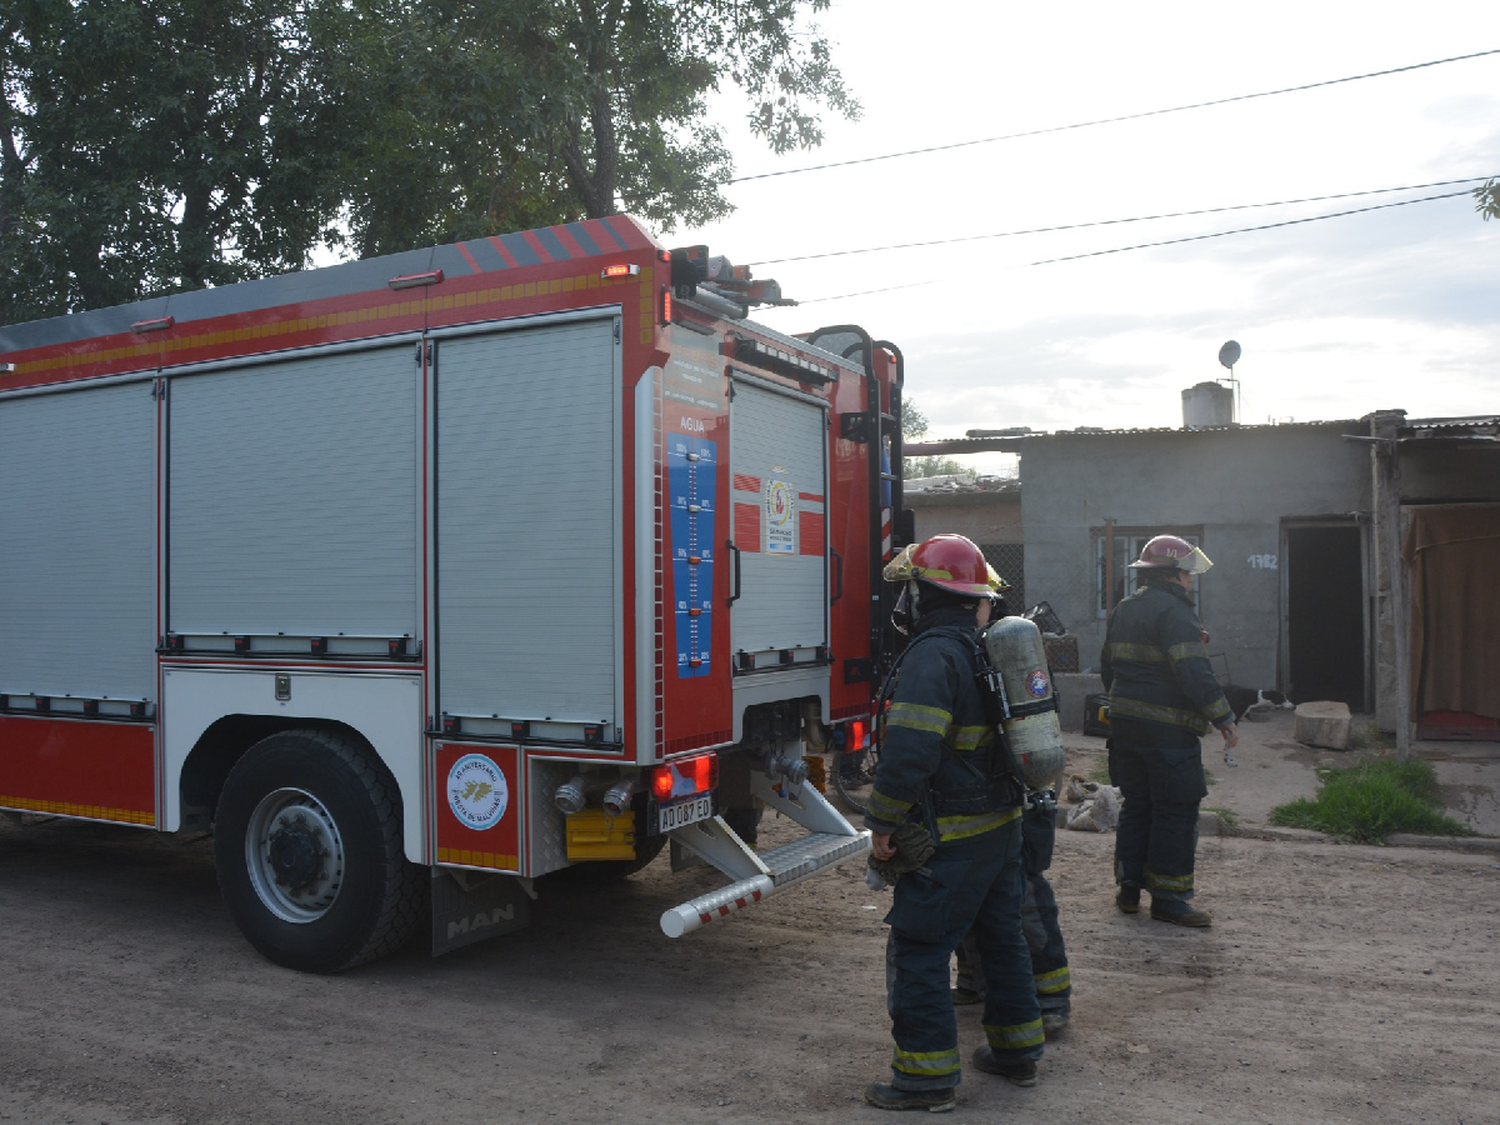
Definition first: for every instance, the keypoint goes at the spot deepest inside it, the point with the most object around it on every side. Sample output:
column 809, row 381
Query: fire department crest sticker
column 781, row 517
column 477, row 792
column 1037, row 684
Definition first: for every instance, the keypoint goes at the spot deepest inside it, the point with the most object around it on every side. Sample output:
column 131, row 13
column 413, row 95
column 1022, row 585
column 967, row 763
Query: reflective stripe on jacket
column 1155, row 666
column 938, row 739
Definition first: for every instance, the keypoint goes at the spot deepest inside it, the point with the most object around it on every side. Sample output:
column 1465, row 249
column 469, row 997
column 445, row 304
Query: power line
column 1247, row 230
column 1116, row 222
column 1169, row 242
column 1106, row 120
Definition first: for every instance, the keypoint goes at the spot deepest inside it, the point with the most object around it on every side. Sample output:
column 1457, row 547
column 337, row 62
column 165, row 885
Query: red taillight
column 661, row 783
column 854, row 736
column 620, row 270
column 685, row 778
column 666, row 304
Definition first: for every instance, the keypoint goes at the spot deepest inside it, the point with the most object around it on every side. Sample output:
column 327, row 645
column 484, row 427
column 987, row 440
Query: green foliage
column 157, row 145
column 918, row 467
column 913, row 421
column 1368, row 802
column 1487, row 200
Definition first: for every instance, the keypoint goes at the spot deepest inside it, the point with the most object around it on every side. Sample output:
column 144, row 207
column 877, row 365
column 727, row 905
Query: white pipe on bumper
column 716, row 904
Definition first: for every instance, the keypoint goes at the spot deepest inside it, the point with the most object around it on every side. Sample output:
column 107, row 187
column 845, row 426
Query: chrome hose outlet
column 571, row 795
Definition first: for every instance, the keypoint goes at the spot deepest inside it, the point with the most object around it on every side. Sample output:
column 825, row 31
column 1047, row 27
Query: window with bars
column 1128, row 542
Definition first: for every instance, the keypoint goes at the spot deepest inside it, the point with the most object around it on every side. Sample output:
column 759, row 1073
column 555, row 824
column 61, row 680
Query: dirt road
column 1338, row 984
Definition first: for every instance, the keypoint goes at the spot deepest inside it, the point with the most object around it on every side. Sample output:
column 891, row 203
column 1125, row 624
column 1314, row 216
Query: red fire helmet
column 949, row 562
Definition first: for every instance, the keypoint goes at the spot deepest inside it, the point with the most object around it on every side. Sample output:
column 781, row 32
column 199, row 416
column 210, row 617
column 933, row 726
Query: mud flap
column 470, row 906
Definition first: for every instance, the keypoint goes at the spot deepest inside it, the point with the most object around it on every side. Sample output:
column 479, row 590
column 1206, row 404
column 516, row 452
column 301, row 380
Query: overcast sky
column 1394, row 308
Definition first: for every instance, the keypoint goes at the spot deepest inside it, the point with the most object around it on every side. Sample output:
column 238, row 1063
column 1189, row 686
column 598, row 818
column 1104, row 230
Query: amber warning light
column 622, row 270
column 685, row 778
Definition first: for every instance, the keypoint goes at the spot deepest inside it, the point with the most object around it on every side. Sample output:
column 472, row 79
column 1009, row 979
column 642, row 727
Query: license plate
column 682, row 813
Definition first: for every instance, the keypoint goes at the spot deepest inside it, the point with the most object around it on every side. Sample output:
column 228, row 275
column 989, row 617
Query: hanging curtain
column 1453, row 556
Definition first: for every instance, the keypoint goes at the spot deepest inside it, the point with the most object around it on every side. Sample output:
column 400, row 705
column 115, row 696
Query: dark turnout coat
column 1155, row 665
column 939, row 752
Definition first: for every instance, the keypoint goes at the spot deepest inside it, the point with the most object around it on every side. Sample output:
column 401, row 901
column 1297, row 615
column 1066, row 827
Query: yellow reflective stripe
column 914, row 716
column 961, row 827
column 1058, row 980
column 1144, row 654
column 1188, row 650
column 1219, row 711
column 971, row 738
column 888, row 809
column 1014, row 1036
column 928, row 1064
column 1158, row 882
column 1122, row 708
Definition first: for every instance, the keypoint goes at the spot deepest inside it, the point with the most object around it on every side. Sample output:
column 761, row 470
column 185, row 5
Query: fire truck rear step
column 784, row 865
column 831, row 839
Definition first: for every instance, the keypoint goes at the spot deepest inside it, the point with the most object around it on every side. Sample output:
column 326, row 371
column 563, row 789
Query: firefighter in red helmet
column 942, row 791
column 1163, row 696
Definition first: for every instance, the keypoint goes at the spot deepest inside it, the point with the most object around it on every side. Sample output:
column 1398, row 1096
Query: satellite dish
column 1229, row 354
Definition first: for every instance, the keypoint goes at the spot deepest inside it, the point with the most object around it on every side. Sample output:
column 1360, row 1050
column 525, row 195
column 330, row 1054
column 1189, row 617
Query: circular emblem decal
column 477, row 792
column 1037, row 683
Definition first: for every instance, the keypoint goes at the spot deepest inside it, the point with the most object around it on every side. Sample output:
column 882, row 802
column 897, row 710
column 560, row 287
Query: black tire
column 608, row 870
column 857, row 799
column 307, row 842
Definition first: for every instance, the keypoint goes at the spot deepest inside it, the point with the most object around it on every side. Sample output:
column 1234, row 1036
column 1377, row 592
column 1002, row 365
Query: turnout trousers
column 1159, row 771
column 1044, row 939
column 976, row 883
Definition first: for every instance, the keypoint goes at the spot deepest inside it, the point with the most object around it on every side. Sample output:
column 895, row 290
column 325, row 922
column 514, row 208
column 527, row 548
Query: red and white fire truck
column 432, row 574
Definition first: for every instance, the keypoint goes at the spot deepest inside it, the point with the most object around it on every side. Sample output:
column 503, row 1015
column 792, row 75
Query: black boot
column 882, row 1095
column 1179, row 913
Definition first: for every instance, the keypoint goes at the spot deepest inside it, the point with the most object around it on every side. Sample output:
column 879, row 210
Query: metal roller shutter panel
column 783, row 591
column 294, row 491
column 78, row 543
column 529, row 568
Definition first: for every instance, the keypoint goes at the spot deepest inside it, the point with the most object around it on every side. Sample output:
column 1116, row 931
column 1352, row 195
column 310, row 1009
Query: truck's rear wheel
column 307, row 841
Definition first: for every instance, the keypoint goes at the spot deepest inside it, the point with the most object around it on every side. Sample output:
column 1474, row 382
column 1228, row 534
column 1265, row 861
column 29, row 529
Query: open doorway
column 1325, row 614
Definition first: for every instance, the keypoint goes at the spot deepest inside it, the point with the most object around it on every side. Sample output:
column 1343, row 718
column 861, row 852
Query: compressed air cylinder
column 1018, row 659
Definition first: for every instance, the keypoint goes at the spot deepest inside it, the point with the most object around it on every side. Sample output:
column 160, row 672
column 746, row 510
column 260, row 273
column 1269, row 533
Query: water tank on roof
column 1207, row 405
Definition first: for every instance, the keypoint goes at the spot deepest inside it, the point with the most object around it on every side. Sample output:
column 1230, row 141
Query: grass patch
column 1369, row 802
column 1228, row 818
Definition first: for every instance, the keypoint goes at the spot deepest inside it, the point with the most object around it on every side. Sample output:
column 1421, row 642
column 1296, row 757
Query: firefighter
column 1039, row 914
column 1163, row 696
column 942, row 793
column 1044, row 939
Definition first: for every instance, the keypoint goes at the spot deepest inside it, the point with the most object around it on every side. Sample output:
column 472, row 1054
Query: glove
column 914, row 847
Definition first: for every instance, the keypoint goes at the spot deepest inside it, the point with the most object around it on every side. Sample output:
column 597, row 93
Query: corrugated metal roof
column 1236, row 428
column 984, row 441
column 1478, row 426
